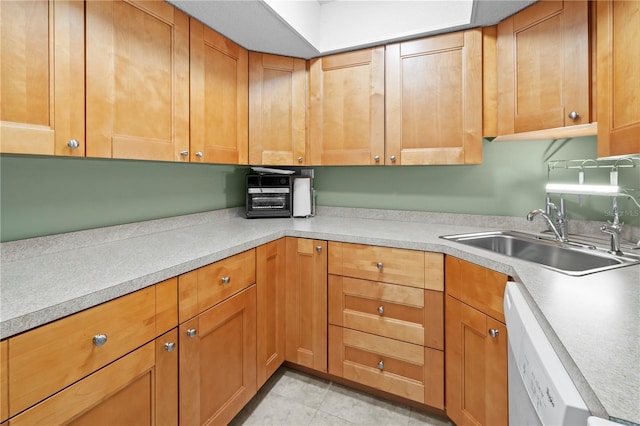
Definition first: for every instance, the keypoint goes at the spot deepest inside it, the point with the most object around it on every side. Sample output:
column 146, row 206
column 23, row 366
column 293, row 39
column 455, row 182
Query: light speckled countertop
column 593, row 322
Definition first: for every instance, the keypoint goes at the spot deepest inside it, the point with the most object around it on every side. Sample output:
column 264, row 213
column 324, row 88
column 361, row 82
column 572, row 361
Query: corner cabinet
column 543, row 68
column 277, row 110
column 219, row 98
column 42, row 73
column 434, row 100
column 475, row 345
column 306, row 303
column 618, row 67
column 137, row 80
column 346, row 108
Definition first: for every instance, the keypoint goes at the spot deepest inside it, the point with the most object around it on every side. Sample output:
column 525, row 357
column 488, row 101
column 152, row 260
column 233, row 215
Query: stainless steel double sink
column 571, row 258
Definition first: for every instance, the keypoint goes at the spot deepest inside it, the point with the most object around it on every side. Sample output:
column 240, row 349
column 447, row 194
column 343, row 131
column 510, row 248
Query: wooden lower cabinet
column 306, row 303
column 138, row 389
column 218, row 361
column 475, row 346
column 4, row 380
column 270, row 284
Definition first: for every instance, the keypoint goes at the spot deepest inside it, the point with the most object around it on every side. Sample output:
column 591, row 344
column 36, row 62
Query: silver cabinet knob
column 381, row 365
column 574, row 115
column 73, row 144
column 169, row 346
column 99, row 339
column 319, row 249
column 184, row 153
column 376, row 158
column 380, row 310
column 191, row 332
column 225, row 280
column 199, row 154
column 493, row 333
column 392, row 158
column 299, row 159
column 380, row 266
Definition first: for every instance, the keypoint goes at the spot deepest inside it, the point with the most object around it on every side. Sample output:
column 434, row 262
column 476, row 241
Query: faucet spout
column 539, row 212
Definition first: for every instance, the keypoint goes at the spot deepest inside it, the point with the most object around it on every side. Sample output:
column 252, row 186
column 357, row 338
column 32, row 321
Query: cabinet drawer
column 476, row 286
column 410, row 371
column 201, row 289
column 392, row 265
column 404, row 313
column 46, row 359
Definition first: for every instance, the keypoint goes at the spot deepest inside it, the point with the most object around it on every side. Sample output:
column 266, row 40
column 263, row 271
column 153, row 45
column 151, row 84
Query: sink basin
column 569, row 258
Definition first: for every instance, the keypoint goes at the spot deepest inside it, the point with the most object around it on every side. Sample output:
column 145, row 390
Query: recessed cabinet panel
column 277, row 110
column 434, row 100
column 42, row 84
column 137, row 80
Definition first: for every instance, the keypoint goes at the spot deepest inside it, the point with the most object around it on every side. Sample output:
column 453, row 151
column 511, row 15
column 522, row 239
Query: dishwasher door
column 540, row 389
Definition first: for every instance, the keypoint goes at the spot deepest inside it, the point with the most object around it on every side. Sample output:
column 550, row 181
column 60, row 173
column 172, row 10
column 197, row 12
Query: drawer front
column 410, row 371
column 48, row 358
column 225, row 278
column 476, row 286
column 384, row 309
column 391, row 265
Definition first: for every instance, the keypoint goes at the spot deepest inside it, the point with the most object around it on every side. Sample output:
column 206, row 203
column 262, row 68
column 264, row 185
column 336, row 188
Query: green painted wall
column 49, row 195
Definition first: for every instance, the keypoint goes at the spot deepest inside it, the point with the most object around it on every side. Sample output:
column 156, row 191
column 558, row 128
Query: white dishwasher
column 540, row 389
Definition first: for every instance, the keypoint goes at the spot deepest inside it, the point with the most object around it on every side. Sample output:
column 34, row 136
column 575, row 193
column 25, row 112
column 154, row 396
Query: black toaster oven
column 268, row 195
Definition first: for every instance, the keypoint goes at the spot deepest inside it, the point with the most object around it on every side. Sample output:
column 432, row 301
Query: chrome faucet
column 557, row 226
column 614, row 228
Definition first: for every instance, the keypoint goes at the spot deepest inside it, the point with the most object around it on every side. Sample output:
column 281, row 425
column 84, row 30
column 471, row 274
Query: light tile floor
column 292, row 398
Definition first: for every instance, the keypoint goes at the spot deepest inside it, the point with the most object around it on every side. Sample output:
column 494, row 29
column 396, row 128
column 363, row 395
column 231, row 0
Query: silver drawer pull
column 169, row 346
column 493, row 332
column 225, row 280
column 380, row 310
column 319, row 249
column 380, row 266
column 191, row 332
column 381, row 365
column 99, row 339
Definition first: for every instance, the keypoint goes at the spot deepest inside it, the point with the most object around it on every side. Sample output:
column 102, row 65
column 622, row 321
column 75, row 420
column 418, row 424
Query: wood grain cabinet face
column 618, row 71
column 4, row 380
column 346, row 110
column 219, row 98
column 140, row 388
column 218, row 361
column 277, row 110
column 137, row 80
column 42, row 84
column 476, row 373
column 543, row 68
column 434, row 100
column 270, row 283
column 306, row 303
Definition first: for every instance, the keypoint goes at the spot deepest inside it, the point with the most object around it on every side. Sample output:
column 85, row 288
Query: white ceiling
column 311, row 28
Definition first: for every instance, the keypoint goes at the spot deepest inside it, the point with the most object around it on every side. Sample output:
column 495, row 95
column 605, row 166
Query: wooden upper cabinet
column 277, row 110
column 434, row 100
column 137, row 80
column 219, row 98
column 42, row 77
column 346, row 117
column 618, row 70
column 543, row 68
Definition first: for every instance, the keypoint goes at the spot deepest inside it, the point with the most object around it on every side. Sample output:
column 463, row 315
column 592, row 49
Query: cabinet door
column 543, row 67
column 270, row 283
column 618, row 62
column 138, row 389
column 434, row 100
column 219, row 98
column 346, row 118
column 277, row 110
column 137, row 80
column 218, row 361
column 41, row 73
column 306, row 303
column 4, row 380
column 476, row 373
